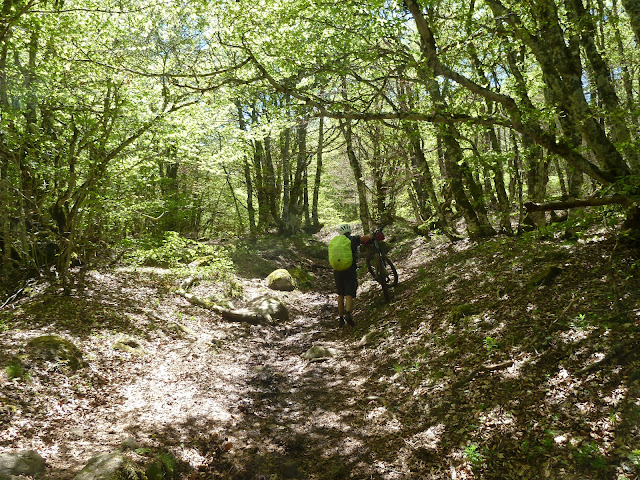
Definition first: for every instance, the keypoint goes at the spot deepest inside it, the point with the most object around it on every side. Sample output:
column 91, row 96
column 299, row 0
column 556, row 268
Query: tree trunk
column 235, row 199
column 305, row 202
column 293, row 219
column 602, row 78
column 626, row 74
column 286, row 179
column 316, row 184
column 453, row 158
column 633, row 10
column 251, row 211
column 518, row 178
column 498, row 180
column 272, row 191
column 563, row 185
column 261, row 191
column 345, row 126
column 6, row 218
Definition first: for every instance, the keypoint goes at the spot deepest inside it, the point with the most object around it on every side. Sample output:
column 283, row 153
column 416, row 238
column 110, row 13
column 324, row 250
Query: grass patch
column 16, row 370
column 458, row 312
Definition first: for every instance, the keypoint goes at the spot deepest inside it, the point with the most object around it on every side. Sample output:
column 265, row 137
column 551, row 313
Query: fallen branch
column 585, row 202
column 619, row 352
column 240, row 315
column 481, row 369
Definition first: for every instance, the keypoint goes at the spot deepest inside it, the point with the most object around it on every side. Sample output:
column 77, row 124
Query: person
column 347, row 280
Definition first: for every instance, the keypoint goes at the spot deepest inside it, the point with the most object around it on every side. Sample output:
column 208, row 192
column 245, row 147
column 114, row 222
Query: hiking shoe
column 348, row 318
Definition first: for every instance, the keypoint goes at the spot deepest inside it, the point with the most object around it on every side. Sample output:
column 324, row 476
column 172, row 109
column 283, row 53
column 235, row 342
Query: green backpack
column 340, row 256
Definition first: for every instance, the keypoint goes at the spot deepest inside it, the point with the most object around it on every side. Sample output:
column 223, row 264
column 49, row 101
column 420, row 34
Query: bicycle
column 380, row 266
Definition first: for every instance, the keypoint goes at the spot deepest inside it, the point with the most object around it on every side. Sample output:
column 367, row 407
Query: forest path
column 234, row 400
column 292, row 418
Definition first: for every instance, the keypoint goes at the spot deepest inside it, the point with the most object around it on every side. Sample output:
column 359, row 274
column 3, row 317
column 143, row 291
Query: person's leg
column 340, row 291
column 348, row 303
column 348, row 309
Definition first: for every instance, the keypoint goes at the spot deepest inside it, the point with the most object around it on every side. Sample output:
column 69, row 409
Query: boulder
column 281, row 279
column 104, row 466
column 270, row 307
column 21, row 463
column 52, row 348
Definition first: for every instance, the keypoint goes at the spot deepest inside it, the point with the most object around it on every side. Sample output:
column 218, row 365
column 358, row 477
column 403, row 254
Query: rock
column 180, row 329
column 318, row 354
column 52, row 348
column 270, row 307
column 27, row 462
column 102, row 467
column 129, row 443
column 129, row 345
column 370, row 338
column 281, row 280
column 546, row 276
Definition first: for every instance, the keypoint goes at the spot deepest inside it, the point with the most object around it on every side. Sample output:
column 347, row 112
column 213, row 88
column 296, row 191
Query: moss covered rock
column 52, row 348
column 282, row 280
column 129, row 345
column 21, row 463
column 106, row 466
column 545, row 277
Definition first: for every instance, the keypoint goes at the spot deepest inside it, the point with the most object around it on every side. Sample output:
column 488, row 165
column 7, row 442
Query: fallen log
column 578, row 203
column 239, row 315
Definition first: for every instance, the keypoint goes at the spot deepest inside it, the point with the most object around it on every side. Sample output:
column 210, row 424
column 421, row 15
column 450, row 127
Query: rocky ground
column 513, row 358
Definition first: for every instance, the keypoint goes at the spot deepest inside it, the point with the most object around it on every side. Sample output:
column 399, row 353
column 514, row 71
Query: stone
column 52, row 348
column 281, row 280
column 129, row 345
column 27, row 462
column 104, row 466
column 180, row 329
column 370, row 338
column 130, row 443
column 318, row 353
column 270, row 307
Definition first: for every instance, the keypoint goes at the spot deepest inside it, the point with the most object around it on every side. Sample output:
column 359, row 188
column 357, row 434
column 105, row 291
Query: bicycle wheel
column 382, row 278
column 391, row 273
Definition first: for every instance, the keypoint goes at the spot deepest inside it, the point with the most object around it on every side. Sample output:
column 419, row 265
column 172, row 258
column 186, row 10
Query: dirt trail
column 282, row 416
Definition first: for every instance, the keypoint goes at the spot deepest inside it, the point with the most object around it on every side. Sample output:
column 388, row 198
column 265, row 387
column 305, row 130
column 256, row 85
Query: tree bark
column 235, row 199
column 365, row 218
column 292, row 221
column 633, row 10
column 272, row 191
column 316, row 183
column 251, row 211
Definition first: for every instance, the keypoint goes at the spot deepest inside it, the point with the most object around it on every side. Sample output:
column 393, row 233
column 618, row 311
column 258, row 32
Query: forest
column 160, row 158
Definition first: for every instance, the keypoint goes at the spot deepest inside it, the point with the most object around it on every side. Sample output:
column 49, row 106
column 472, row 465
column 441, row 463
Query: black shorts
column 346, row 282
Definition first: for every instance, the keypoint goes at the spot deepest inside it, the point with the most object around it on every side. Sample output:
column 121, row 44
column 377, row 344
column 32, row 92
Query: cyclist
column 347, row 280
